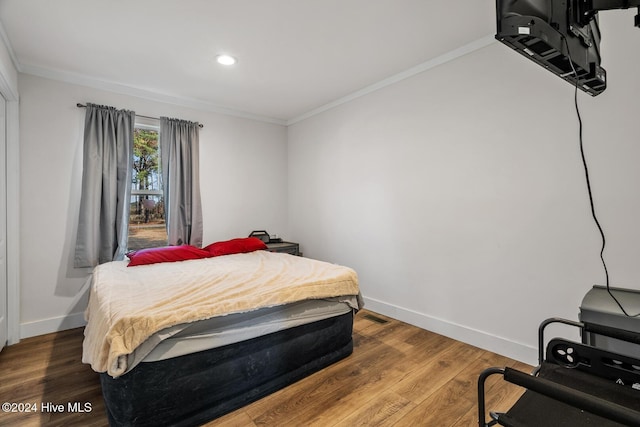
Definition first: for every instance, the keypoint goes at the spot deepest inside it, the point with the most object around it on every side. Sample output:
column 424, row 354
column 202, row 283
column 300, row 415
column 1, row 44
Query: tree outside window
column 147, row 214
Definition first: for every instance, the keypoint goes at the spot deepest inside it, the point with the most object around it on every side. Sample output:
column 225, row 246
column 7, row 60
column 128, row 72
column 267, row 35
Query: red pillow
column 165, row 254
column 235, row 246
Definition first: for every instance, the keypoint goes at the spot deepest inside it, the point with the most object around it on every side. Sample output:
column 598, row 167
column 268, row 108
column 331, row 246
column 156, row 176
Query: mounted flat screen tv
column 563, row 36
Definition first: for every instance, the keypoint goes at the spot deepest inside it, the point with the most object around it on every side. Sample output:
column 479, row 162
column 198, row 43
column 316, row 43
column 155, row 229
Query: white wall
column 243, row 179
column 459, row 197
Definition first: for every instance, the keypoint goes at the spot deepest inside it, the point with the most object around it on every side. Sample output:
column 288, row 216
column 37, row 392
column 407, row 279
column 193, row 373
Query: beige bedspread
column 129, row 304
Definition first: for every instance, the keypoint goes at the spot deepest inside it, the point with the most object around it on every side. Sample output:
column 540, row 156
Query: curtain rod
column 139, row 115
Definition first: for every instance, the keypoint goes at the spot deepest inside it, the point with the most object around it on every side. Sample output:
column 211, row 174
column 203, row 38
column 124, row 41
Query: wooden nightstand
column 285, row 247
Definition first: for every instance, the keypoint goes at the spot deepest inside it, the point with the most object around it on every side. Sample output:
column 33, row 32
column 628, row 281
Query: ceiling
column 294, row 56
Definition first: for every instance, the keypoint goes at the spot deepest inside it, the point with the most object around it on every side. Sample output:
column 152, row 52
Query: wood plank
column 433, row 374
column 397, row 375
column 384, row 409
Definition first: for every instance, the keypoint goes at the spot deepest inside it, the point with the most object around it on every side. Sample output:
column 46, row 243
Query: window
column 146, row 214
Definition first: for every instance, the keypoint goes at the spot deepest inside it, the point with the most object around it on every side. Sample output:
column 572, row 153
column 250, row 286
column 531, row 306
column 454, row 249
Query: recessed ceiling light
column 226, row 59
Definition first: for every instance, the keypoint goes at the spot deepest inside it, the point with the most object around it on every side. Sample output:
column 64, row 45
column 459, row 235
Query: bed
column 182, row 343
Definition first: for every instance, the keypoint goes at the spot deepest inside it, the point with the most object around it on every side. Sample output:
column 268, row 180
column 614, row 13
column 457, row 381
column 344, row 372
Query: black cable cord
column 588, row 181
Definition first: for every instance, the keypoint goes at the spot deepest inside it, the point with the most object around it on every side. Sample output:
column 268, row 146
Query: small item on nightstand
column 276, row 244
column 265, row 236
column 260, row 234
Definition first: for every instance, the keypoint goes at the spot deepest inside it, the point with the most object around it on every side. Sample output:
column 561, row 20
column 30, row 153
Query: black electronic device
column 563, row 36
column 260, row 234
column 264, row 236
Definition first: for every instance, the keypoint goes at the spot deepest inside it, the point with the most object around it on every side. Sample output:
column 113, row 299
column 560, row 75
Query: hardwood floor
column 398, row 375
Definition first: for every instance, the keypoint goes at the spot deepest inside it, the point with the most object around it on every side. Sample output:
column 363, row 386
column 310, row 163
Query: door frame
column 12, row 125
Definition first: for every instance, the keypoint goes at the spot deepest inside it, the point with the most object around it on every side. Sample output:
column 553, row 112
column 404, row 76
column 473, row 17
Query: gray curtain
column 179, row 151
column 106, row 185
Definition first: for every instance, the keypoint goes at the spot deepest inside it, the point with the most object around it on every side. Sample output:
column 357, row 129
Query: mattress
column 192, row 389
column 131, row 306
column 183, row 343
column 216, row 332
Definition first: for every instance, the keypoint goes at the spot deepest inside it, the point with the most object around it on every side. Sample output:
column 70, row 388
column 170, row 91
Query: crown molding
column 5, row 87
column 7, row 43
column 111, row 86
column 421, row 68
column 83, row 80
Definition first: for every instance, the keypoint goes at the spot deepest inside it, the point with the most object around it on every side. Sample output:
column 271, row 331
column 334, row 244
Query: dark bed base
column 196, row 388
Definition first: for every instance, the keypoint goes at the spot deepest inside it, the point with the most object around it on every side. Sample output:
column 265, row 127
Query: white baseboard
column 55, row 324
column 518, row 351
